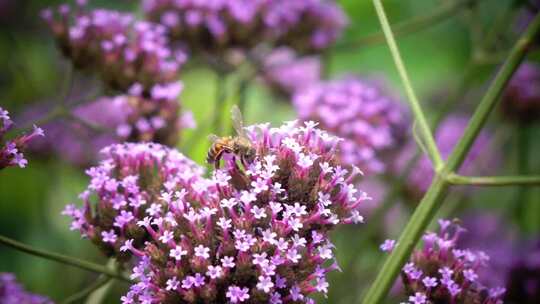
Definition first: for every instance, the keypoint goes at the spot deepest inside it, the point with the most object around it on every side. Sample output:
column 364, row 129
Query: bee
column 239, row 145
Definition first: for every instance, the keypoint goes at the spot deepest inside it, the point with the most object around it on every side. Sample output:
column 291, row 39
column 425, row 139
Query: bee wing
column 238, row 121
column 213, row 138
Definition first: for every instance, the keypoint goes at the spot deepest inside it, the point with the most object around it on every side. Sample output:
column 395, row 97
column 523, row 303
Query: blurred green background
column 437, row 57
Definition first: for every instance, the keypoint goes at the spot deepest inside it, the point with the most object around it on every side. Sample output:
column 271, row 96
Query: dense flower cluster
column 440, row 272
column 255, row 232
column 125, row 188
column 11, row 292
column 286, row 72
column 11, row 150
column 447, row 136
column 371, row 122
column 521, row 100
column 122, row 50
column 523, row 281
column 219, row 25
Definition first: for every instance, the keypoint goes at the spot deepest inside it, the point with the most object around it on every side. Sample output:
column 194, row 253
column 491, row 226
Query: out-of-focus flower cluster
column 215, row 26
column 254, row 232
column 131, row 56
column 11, row 151
column 11, row 292
column 521, row 100
column 371, row 122
column 130, row 117
column 154, row 118
column 440, row 272
column 286, row 72
column 121, row 49
column 497, row 237
column 523, row 281
column 447, row 136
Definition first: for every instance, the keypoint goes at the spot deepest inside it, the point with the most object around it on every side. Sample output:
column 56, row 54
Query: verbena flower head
column 11, row 151
column 287, row 73
column 11, row 292
column 154, row 117
column 523, row 280
column 122, row 50
column 253, row 233
column 446, row 137
column 440, row 272
column 129, row 117
column 225, row 24
column 370, row 121
column 128, row 187
column 521, row 100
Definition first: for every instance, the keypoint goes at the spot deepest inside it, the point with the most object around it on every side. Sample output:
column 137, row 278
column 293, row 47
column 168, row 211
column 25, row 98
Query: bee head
column 244, row 148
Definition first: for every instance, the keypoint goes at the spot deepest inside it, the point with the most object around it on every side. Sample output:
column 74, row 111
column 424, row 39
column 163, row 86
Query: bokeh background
column 438, row 57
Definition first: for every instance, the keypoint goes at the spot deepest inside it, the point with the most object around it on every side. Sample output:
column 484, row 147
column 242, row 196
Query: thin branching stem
column 416, row 109
column 415, row 24
column 431, row 202
column 64, row 259
column 221, row 97
column 494, row 181
column 523, row 154
column 82, row 294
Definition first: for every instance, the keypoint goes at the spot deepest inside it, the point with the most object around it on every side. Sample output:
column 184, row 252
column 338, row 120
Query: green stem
column 64, row 259
column 55, row 113
column 431, row 202
column 407, row 27
column 494, row 181
column 82, row 294
column 242, row 95
column 419, row 116
column 221, row 96
column 523, row 147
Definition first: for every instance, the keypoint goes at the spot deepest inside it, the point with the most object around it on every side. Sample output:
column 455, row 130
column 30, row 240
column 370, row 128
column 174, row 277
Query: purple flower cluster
column 255, row 233
column 11, row 150
column 124, row 189
column 447, row 136
column 122, row 50
column 371, row 122
column 287, row 73
column 132, row 118
column 11, row 292
column 219, row 25
column 155, row 118
column 521, row 100
column 441, row 272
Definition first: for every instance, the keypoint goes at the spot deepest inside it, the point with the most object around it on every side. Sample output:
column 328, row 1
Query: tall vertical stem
column 416, row 109
column 429, row 205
